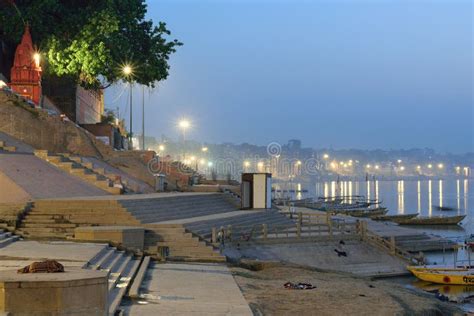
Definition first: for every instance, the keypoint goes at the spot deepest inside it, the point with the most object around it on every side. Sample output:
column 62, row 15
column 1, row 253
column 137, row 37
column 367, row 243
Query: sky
column 364, row 74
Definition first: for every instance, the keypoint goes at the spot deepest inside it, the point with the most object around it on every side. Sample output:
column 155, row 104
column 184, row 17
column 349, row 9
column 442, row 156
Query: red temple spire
column 26, row 70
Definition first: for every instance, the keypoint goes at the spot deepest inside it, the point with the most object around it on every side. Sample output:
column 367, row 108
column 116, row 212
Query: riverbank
column 335, row 294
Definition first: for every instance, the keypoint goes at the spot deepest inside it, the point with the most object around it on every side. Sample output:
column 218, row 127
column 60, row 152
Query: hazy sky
column 340, row 73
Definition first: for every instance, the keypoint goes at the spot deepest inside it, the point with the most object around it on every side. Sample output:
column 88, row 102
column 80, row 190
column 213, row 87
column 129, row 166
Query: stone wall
column 42, row 131
column 74, row 292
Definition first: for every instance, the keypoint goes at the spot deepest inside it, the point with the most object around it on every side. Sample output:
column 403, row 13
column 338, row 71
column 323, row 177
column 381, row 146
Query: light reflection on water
column 404, row 196
column 410, row 196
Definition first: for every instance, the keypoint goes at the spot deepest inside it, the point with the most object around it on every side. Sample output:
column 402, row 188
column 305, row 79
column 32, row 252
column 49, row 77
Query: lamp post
column 184, row 125
column 127, row 72
column 143, row 118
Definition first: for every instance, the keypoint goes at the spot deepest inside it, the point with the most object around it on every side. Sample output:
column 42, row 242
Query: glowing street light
column 127, row 72
column 377, row 167
column 209, row 164
column 399, row 161
column 418, row 167
column 184, row 125
column 440, row 166
column 326, row 156
column 161, row 148
column 368, row 166
column 430, row 166
column 204, row 149
column 402, row 168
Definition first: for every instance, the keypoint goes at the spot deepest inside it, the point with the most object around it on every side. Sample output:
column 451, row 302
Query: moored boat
column 392, row 217
column 365, row 212
column 457, row 277
column 443, row 208
column 434, row 220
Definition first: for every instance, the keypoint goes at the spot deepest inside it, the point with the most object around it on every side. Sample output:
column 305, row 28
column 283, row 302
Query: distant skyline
column 339, row 73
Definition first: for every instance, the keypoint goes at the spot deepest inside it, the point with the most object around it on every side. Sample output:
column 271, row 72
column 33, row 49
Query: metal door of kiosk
column 256, row 191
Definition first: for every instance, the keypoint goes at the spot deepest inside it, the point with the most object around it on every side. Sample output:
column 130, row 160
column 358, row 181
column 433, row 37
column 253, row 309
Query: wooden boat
column 435, row 220
column 392, row 217
column 443, row 208
column 441, row 268
column 456, row 277
column 365, row 212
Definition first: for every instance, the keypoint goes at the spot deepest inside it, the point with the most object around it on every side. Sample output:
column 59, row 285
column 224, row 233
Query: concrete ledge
column 127, row 236
column 137, row 281
column 76, row 291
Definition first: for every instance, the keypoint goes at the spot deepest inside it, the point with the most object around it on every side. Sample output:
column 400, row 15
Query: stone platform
column 74, row 291
column 189, row 289
column 126, row 236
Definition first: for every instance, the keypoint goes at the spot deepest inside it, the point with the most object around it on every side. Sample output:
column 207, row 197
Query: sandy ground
column 336, row 294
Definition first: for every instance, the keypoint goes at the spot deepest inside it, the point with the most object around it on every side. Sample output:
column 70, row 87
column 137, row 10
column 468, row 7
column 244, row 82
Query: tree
column 91, row 40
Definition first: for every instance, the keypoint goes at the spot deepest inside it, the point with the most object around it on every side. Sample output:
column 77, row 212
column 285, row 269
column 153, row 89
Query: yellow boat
column 428, row 268
column 457, row 276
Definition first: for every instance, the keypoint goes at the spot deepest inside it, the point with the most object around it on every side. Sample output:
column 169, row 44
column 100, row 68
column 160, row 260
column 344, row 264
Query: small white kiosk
column 256, row 191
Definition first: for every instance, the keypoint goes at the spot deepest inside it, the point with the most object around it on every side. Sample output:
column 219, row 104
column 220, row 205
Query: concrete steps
column 156, row 210
column 7, row 238
column 74, row 166
column 240, row 223
column 122, row 268
column 12, row 213
column 181, row 244
column 5, row 147
column 59, row 218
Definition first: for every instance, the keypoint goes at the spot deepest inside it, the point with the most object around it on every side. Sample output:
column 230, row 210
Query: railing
column 387, row 245
column 309, row 225
column 304, row 226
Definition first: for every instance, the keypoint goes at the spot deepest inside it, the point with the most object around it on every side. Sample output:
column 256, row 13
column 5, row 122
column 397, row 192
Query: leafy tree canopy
column 92, row 40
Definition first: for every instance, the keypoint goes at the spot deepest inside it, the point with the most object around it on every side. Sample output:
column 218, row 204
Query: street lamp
column 184, row 125
column 204, row 149
column 127, row 72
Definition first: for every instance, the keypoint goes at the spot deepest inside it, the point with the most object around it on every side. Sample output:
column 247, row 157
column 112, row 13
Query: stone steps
column 5, row 147
column 74, row 166
column 181, row 244
column 7, row 238
column 122, row 268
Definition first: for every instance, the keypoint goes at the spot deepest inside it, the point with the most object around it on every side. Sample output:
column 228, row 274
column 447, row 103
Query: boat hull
column 392, row 217
column 452, row 220
column 445, row 277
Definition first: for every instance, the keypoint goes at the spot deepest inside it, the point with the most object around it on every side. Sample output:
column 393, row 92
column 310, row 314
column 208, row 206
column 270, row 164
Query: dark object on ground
column 48, row 266
column 370, row 285
column 340, row 253
column 342, row 242
column 298, row 286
